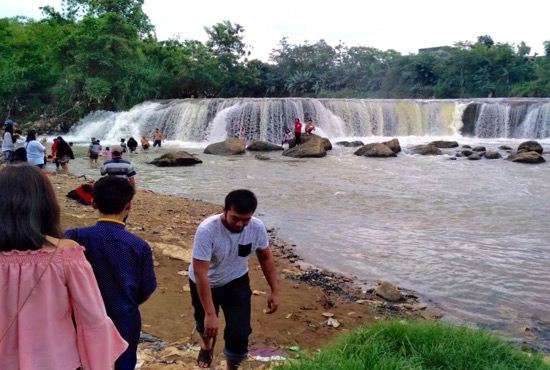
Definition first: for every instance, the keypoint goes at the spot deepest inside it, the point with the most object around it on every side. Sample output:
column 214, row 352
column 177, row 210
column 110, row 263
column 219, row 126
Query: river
column 470, row 237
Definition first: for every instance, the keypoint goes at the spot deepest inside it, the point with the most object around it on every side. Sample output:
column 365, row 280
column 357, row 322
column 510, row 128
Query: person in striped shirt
column 117, row 166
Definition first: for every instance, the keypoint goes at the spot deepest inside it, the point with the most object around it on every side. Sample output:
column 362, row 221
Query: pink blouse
column 43, row 336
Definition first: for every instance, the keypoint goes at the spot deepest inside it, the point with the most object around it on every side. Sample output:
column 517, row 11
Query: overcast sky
column 402, row 25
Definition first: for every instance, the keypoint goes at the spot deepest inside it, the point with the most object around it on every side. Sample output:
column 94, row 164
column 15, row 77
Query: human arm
column 148, row 282
column 211, row 322
column 132, row 181
column 268, row 268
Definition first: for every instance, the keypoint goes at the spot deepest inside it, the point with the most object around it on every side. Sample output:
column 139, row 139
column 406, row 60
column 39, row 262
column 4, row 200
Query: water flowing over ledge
column 211, row 120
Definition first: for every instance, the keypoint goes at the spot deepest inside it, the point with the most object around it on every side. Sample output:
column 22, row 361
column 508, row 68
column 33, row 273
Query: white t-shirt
column 35, row 152
column 20, row 142
column 7, row 142
column 227, row 252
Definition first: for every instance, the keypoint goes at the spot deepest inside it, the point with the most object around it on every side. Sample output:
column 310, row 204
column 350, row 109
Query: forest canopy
column 104, row 55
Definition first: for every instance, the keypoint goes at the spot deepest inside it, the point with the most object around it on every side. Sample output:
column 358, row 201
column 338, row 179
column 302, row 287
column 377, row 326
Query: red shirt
column 54, row 147
column 297, row 126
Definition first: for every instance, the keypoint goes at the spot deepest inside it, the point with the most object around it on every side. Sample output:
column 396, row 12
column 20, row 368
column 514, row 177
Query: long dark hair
column 28, row 208
column 31, row 135
column 9, row 128
column 63, row 148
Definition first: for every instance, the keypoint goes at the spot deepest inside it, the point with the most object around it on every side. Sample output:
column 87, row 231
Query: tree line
column 104, row 55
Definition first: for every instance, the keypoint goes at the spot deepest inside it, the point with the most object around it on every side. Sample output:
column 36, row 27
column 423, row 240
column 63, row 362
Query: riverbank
column 316, row 306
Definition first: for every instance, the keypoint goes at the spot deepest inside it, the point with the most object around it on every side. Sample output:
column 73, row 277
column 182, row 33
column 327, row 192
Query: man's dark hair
column 241, row 200
column 111, row 194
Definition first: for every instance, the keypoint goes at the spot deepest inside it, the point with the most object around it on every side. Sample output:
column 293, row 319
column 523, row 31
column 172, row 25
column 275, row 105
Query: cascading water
column 211, row 120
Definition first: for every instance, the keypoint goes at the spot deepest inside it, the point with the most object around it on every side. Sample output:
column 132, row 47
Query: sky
column 401, row 25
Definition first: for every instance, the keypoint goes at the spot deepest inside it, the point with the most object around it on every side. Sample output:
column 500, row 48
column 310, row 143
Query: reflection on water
column 471, row 236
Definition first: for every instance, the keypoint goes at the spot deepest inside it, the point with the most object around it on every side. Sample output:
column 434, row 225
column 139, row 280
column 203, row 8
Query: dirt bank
column 308, row 298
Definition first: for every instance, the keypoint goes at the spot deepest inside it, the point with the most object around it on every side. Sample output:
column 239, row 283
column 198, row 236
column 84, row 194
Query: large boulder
column 378, row 150
column 492, row 154
column 176, row 159
column 444, row 144
column 307, row 138
column 429, row 149
column 526, row 157
column 309, row 149
column 530, row 146
column 262, row 146
column 393, row 144
column 228, row 147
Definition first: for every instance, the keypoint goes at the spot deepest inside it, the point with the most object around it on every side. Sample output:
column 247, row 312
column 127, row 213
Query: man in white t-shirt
column 218, row 276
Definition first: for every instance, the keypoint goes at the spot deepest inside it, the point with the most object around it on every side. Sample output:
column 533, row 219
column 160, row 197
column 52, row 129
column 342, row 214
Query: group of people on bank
column 71, row 298
column 296, row 134
column 17, row 148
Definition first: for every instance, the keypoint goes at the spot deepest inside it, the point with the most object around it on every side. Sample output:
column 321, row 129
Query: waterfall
column 212, row 120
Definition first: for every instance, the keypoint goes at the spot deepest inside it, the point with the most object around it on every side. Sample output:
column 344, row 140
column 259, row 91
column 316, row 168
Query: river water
column 472, row 237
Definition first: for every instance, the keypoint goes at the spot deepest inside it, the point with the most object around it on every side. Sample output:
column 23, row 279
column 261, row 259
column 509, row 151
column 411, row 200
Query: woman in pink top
column 45, row 281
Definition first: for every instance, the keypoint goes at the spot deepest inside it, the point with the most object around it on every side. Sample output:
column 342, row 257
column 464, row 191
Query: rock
column 377, row 150
column 530, row 146
column 393, row 144
column 182, row 253
column 444, row 144
column 309, row 149
column 475, row 157
column 388, row 291
column 479, row 149
column 228, row 147
column 526, row 157
column 348, row 144
column 505, row 147
column 262, row 157
column 180, row 158
column 491, row 154
column 428, row 149
column 324, row 141
column 262, row 146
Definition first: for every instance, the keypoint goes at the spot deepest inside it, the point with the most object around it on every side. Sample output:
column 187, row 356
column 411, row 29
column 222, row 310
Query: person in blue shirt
column 122, row 262
column 93, row 150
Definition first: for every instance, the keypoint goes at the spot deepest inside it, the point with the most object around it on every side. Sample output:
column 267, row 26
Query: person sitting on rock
column 309, row 127
column 287, row 136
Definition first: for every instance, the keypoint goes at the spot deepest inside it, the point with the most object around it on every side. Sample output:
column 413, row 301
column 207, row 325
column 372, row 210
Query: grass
column 400, row 344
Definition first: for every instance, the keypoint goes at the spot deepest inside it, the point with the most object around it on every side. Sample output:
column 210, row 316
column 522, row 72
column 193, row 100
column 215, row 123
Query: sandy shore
column 308, row 298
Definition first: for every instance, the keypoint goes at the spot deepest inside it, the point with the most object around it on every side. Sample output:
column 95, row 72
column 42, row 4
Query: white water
column 470, row 236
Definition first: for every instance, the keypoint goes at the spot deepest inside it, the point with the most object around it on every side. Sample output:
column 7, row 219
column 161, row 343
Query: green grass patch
column 409, row 344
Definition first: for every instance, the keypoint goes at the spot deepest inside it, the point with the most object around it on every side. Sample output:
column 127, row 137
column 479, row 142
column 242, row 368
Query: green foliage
column 399, row 344
column 102, row 54
column 226, row 38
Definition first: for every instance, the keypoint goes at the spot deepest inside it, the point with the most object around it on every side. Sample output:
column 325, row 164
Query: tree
column 226, row 38
column 130, row 10
column 485, row 40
